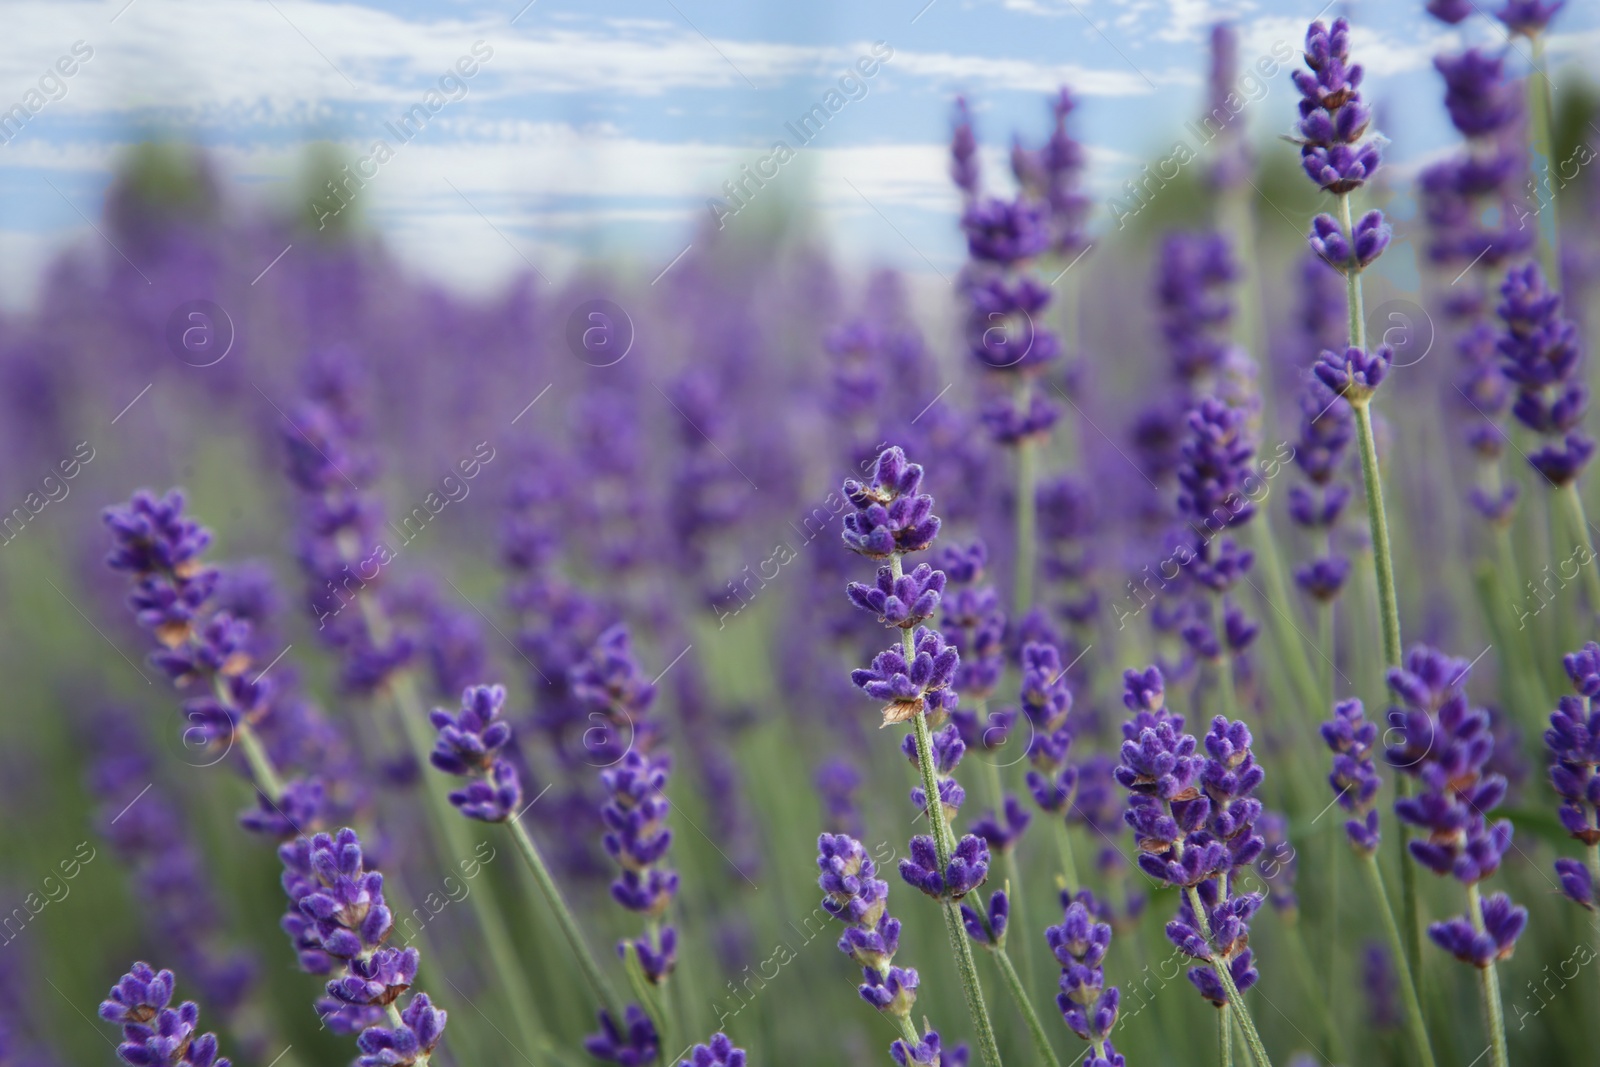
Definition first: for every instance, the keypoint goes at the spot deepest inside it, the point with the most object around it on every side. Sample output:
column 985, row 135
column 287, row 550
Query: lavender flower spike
column 154, row 1035
column 469, row 746
column 855, row 896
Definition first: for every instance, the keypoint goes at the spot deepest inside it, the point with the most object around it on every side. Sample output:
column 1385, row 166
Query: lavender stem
column 1408, row 990
column 1580, row 519
column 1027, row 519
column 1489, row 986
column 1069, row 869
column 1539, row 111
column 1225, row 976
column 973, row 992
column 569, row 925
column 1224, row 1036
column 1035, row 1028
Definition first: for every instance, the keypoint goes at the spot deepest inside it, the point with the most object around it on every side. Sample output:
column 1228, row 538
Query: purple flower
column 1323, row 579
column 1354, row 374
column 1576, row 882
column 857, row 898
column 1480, row 98
column 922, row 685
column 1540, row 355
column 905, row 601
column 636, row 837
column 720, row 1053
column 470, row 740
column 988, row 927
column 1355, row 777
column 337, row 904
column 154, row 1035
column 1528, row 17
column 610, row 685
column 1002, row 830
column 1381, row 985
column 1004, row 232
column 1503, row 923
column 927, row 1053
column 633, row 1044
column 1079, row 945
column 968, row 867
column 377, row 979
column 1451, row 12
column 1333, row 117
column 892, row 517
column 416, row 1039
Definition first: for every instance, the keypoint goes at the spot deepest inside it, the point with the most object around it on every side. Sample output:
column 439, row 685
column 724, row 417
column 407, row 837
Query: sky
column 592, row 128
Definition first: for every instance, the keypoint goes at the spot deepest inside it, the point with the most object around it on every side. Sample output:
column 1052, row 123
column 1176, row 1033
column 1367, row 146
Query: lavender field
column 1168, row 636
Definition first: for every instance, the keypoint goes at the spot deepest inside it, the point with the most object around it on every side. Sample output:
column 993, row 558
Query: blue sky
column 602, row 128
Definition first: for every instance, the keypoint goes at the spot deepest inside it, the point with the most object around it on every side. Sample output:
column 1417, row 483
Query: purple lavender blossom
column 721, row 1052
column 1503, row 924
column 634, row 1043
column 1087, row 1004
column 928, row 1052
column 964, row 151
column 609, row 686
column 1355, row 778
column 987, row 926
column 1333, row 117
column 469, row 746
column 1540, row 351
column 856, row 897
column 1528, row 17
column 1354, row 374
column 154, row 1035
column 1573, row 742
column 892, row 516
column 967, row 870
column 1445, row 743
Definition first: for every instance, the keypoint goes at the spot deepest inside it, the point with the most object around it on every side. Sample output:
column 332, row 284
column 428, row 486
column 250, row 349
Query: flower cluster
column 1355, row 777
column 1006, row 306
column 636, row 837
column 975, row 626
column 338, row 921
column 892, row 515
column 1194, row 818
column 1355, row 373
column 632, row 1043
column 1216, row 479
column 202, row 646
column 929, row 1051
column 948, row 748
column 340, row 543
column 153, row 1034
column 1573, row 741
column 1540, row 352
column 1087, row 1004
column 469, row 746
column 608, row 684
column 1334, row 149
column 1194, row 272
column 853, row 894
column 1046, row 703
column 1445, row 743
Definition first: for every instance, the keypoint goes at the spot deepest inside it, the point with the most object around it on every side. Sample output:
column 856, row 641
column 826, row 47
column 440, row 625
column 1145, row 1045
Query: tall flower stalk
column 1573, row 741
column 1194, row 817
column 893, row 518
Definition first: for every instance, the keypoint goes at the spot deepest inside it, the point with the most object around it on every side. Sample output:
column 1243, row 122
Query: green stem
column 1069, row 869
column 1580, row 521
column 1302, row 962
column 261, row 768
column 1352, row 279
column 1415, row 1025
column 569, row 925
column 1594, row 877
column 1225, row 976
column 971, row 990
column 1009, row 857
column 1544, row 148
column 1027, row 508
column 1014, row 984
column 1271, row 567
column 1379, row 522
column 944, row 844
column 1489, row 986
column 1230, row 696
column 1225, row 1036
